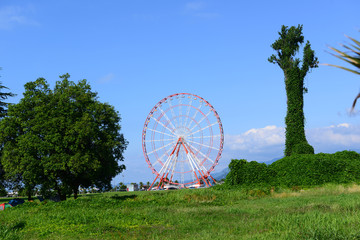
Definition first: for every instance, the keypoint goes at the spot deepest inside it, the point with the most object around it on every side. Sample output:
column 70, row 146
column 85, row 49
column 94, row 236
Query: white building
column 132, row 187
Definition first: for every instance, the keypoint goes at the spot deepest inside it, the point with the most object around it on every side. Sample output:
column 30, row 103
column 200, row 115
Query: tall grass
column 329, row 212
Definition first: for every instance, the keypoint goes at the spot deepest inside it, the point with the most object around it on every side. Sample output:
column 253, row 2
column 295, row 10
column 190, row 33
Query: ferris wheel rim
column 149, row 116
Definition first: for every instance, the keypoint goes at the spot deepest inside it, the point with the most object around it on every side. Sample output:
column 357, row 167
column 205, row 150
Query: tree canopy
column 286, row 47
column 62, row 138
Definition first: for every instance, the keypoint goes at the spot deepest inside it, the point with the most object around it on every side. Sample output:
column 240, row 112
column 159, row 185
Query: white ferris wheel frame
column 179, row 143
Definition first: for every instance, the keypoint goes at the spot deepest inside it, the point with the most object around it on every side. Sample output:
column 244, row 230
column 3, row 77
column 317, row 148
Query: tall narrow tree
column 287, row 46
column 4, row 96
column 3, row 110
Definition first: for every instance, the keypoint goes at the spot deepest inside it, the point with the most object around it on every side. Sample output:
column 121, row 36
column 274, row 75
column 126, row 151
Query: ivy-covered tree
column 286, row 47
column 63, row 138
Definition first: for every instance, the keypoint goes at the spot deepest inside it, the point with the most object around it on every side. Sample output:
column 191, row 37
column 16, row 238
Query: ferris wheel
column 182, row 140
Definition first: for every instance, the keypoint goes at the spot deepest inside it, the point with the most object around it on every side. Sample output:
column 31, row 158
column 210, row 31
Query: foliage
column 4, row 96
column 351, row 56
column 317, row 169
column 3, row 111
column 298, row 170
column 287, row 47
column 303, row 148
column 330, row 212
column 62, row 138
column 248, row 173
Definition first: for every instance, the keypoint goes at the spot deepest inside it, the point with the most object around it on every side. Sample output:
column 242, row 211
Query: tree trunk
column 76, row 190
column 61, row 195
column 29, row 195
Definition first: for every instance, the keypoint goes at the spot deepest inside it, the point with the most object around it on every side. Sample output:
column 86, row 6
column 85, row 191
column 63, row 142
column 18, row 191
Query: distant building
column 132, row 187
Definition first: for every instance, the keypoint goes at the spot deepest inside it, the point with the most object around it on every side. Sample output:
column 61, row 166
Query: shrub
column 298, row 170
column 317, row 169
column 243, row 172
column 303, row 148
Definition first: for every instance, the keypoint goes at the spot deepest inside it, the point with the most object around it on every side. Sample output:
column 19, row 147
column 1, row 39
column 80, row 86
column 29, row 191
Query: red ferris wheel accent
column 183, row 140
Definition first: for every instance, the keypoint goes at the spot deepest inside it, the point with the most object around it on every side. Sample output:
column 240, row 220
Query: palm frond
column 352, row 56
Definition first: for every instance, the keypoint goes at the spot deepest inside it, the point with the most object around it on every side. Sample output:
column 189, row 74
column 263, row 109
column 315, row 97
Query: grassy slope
column 331, row 212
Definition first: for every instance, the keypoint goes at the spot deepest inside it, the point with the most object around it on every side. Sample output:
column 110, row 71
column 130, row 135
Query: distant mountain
column 273, row 160
column 221, row 175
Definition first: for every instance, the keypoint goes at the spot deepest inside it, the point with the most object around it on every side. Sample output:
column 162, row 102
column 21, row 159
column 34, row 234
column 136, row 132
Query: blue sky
column 135, row 53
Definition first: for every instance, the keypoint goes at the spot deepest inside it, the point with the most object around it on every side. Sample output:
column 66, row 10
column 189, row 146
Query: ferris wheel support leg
column 207, row 179
column 213, row 179
column 203, row 178
column 197, row 177
column 153, row 182
column 161, row 183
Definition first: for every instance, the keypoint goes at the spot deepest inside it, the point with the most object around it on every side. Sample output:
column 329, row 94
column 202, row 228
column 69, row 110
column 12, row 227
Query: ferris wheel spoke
column 202, row 129
column 202, row 154
column 194, row 116
column 200, row 121
column 173, row 166
column 188, row 111
column 160, row 140
column 170, row 130
column 153, row 130
column 155, row 150
column 159, row 160
column 164, row 167
column 203, row 145
column 193, row 159
column 166, row 116
column 180, row 112
column 173, row 114
column 206, row 136
column 198, row 163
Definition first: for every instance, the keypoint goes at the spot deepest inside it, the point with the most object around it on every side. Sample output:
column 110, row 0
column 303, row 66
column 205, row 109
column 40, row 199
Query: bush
column 243, row 172
column 317, row 169
column 300, row 170
column 303, row 148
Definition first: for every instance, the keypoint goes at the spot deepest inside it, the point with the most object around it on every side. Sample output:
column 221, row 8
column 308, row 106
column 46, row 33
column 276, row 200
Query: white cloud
column 265, row 144
column 255, row 139
column 198, row 9
column 343, row 136
column 194, row 5
column 107, row 78
column 11, row 16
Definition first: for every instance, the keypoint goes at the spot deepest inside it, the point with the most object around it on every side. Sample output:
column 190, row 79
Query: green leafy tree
column 351, row 55
column 3, row 110
column 4, row 96
column 287, row 46
column 68, row 138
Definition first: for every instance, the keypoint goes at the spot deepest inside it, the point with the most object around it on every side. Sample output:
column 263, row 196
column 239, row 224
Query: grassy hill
column 330, row 212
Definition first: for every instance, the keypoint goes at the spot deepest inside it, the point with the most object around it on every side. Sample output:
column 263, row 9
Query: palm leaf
column 352, row 56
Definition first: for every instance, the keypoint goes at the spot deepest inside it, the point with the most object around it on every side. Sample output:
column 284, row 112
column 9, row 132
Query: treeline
column 60, row 139
column 299, row 170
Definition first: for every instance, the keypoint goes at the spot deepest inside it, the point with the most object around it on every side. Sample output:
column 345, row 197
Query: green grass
column 330, row 212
